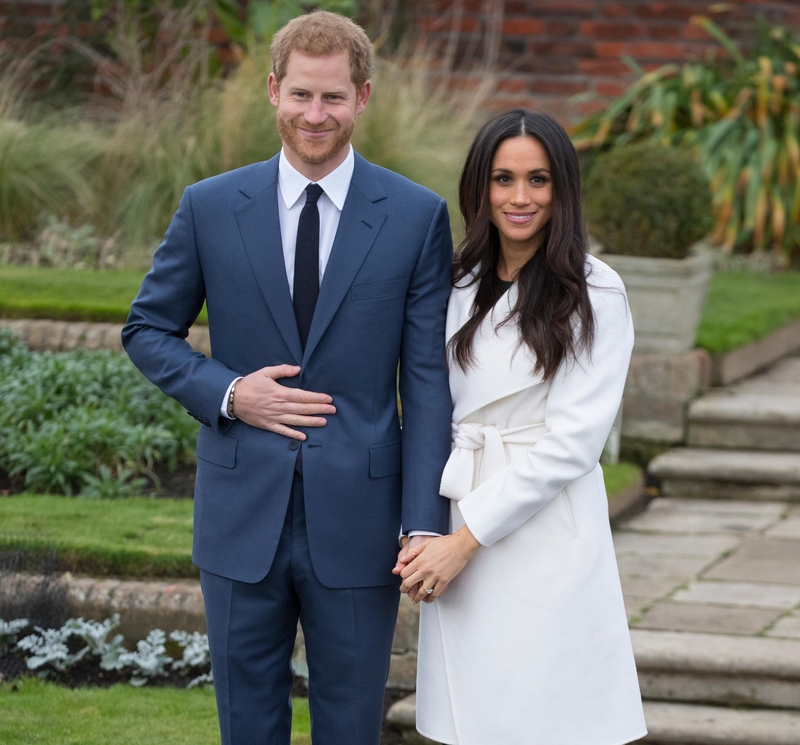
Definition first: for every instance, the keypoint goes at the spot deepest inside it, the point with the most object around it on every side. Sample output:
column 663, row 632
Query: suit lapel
column 359, row 224
column 260, row 227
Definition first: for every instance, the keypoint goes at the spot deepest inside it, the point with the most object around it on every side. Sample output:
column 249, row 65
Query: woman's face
column 521, row 193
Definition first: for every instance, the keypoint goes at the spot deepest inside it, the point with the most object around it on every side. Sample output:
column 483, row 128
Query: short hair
column 320, row 34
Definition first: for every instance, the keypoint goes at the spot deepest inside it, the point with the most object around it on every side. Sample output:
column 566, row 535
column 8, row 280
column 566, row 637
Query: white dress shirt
column 292, row 187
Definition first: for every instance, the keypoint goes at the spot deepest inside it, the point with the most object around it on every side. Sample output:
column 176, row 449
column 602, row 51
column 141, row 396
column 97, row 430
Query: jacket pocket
column 568, row 513
column 376, row 290
column 216, row 448
column 385, row 460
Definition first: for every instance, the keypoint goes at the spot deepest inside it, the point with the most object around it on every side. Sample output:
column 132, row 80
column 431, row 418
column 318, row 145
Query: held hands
column 434, row 563
column 264, row 403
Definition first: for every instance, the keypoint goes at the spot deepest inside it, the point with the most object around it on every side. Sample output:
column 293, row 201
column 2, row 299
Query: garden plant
column 741, row 113
column 85, row 423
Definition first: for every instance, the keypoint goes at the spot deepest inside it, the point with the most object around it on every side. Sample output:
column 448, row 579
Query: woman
column 529, row 645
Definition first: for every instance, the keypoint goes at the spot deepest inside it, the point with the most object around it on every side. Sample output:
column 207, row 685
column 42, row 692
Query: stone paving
column 711, row 566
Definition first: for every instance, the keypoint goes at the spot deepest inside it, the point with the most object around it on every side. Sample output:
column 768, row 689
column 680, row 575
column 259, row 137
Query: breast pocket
column 378, row 290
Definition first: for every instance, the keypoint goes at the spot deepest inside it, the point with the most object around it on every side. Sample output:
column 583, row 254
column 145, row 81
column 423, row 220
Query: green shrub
column 741, row 111
column 648, row 200
column 85, row 422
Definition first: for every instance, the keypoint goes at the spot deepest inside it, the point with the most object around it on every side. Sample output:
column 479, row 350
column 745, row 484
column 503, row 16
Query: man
column 321, row 272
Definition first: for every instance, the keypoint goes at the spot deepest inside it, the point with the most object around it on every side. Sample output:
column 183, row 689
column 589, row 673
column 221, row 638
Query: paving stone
column 717, row 619
column 648, row 588
column 680, row 724
column 743, row 568
column 740, row 593
column 768, row 548
column 680, row 567
column 787, row 627
column 699, row 522
column 737, row 466
column 672, row 544
column 634, row 606
column 717, row 507
column 788, row 528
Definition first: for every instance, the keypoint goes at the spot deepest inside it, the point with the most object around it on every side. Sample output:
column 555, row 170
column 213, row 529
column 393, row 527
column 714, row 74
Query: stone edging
column 740, row 363
column 66, row 336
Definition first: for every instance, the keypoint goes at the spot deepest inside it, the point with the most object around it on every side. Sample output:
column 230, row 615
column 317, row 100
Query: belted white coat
column 530, row 644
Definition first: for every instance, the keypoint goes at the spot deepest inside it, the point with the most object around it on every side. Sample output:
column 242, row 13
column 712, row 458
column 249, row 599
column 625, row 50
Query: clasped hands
column 433, row 563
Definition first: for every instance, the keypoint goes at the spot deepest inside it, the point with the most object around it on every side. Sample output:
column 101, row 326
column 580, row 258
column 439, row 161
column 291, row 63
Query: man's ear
column 274, row 88
column 362, row 96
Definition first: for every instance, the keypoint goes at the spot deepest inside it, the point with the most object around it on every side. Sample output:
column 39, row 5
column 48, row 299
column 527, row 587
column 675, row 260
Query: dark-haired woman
column 523, row 638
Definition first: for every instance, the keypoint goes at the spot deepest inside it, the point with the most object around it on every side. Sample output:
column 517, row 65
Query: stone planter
column 666, row 297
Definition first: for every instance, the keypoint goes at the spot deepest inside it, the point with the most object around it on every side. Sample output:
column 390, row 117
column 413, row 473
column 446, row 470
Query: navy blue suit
column 382, row 301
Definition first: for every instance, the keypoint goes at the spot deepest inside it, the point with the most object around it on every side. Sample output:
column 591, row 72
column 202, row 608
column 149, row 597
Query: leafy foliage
column 63, row 648
column 742, row 115
column 648, row 200
column 85, row 421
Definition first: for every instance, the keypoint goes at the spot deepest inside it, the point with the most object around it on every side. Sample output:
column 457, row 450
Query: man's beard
column 308, row 151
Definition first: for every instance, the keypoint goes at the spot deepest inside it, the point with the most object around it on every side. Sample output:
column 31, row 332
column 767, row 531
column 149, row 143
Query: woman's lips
column 519, row 218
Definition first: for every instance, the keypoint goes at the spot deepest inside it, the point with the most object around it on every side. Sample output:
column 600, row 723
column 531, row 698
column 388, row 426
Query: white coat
column 529, row 645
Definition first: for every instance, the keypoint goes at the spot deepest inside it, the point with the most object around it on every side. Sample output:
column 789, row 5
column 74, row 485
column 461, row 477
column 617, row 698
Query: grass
column 743, row 307
column 33, row 711
column 139, row 536
column 619, row 477
column 69, row 295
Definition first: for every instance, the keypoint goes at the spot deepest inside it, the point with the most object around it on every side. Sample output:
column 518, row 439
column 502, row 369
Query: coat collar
column 502, row 367
column 259, row 224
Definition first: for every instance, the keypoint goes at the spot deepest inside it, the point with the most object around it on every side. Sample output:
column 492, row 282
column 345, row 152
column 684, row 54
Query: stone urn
column 666, row 296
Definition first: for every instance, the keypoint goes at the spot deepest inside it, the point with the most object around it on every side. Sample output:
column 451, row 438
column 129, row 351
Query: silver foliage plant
column 50, row 648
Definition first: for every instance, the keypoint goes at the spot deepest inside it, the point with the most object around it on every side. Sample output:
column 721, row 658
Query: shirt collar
column 336, row 184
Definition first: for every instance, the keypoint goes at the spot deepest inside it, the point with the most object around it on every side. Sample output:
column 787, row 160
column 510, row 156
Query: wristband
column 230, row 400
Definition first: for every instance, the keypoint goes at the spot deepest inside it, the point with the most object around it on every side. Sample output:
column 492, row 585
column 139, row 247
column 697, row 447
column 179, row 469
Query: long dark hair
column 552, row 300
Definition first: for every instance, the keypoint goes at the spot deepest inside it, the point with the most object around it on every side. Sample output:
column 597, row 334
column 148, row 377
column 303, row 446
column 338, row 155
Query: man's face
column 317, row 104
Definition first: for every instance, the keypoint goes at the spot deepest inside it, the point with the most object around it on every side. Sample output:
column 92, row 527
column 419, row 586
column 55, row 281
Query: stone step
column 688, row 724
column 669, row 724
column 706, row 473
column 718, row 669
column 745, row 421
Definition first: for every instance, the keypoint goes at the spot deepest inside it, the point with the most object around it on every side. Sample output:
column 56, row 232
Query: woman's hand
column 434, row 564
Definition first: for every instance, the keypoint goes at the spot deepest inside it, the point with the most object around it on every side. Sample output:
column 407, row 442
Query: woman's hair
column 320, row 34
column 552, row 300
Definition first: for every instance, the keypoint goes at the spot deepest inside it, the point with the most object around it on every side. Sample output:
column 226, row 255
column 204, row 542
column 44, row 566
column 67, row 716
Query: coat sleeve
column 424, row 382
column 168, row 303
column 581, row 406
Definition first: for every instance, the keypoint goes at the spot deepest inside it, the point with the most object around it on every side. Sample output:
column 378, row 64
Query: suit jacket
column 382, row 301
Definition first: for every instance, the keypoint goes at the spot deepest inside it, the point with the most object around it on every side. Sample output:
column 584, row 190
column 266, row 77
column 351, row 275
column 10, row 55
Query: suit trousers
column 251, row 631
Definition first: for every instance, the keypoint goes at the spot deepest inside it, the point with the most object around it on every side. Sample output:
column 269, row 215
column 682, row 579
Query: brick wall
column 551, row 50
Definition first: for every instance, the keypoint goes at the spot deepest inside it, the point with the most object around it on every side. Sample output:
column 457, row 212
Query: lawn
column 619, row 477
column 69, row 295
column 139, row 536
column 742, row 306
column 46, row 714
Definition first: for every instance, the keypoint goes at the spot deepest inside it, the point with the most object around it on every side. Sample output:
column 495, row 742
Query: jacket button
column 293, row 444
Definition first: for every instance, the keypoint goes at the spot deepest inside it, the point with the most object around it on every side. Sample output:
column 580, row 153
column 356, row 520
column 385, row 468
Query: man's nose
column 315, row 113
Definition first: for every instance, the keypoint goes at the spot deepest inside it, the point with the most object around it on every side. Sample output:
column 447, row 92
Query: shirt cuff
column 424, row 532
column 223, row 410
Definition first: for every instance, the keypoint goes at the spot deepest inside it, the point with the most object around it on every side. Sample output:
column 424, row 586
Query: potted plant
column 649, row 205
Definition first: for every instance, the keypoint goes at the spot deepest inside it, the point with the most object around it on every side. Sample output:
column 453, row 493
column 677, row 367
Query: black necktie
column 306, row 263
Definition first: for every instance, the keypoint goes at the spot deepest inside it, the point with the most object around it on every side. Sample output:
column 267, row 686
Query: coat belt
column 468, row 437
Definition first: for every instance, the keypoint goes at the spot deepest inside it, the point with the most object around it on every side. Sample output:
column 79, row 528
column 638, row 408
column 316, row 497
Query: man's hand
column 406, row 544
column 264, row 403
